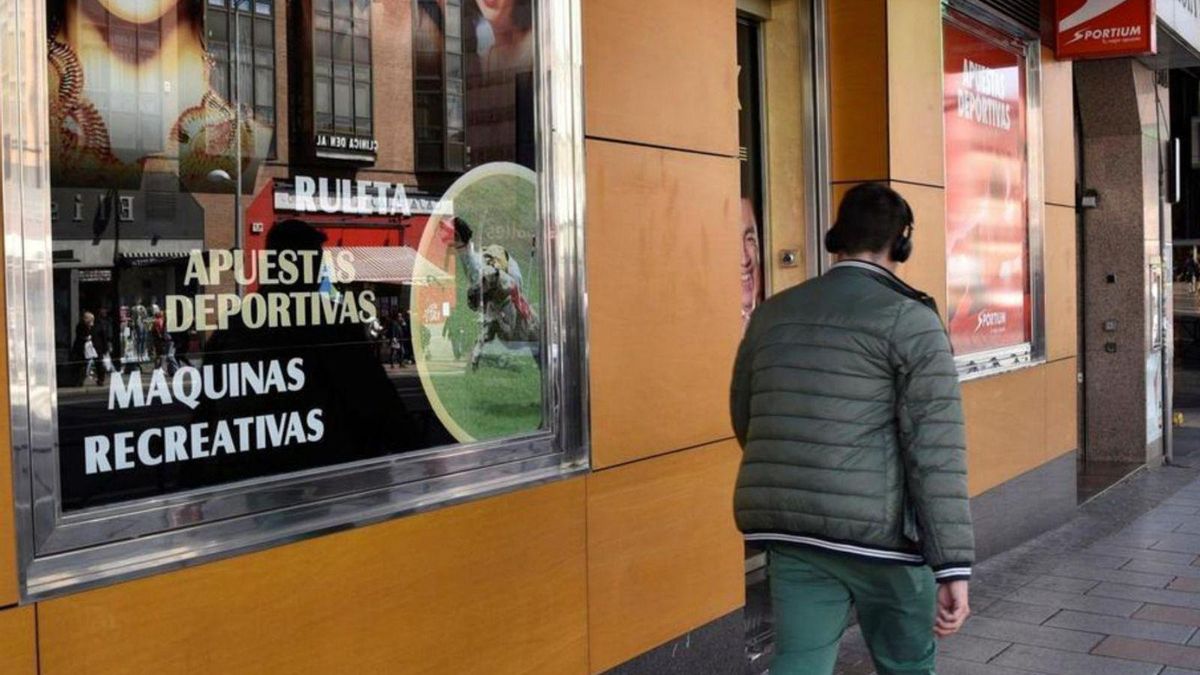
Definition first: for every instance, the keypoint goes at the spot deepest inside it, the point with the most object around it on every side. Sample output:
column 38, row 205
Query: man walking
column 846, row 401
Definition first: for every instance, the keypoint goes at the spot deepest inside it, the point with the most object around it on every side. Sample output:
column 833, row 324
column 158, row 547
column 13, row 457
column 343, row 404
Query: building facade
column 411, row 322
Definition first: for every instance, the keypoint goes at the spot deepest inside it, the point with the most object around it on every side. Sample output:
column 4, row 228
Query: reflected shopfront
column 294, row 236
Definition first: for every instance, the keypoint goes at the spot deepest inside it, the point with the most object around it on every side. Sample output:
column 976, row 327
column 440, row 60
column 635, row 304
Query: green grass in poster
column 503, row 396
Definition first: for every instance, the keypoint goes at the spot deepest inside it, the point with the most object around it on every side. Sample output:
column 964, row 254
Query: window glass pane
column 264, row 87
column 264, row 34
column 218, row 28
column 362, row 100
column 405, row 327
column 323, row 41
column 342, row 46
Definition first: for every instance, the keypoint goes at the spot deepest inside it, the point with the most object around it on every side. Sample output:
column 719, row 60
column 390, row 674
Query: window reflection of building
column 500, row 82
column 256, row 57
column 342, row 75
column 438, row 86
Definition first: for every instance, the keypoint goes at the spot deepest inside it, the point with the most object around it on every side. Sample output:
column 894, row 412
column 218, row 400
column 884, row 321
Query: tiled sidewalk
column 1114, row 591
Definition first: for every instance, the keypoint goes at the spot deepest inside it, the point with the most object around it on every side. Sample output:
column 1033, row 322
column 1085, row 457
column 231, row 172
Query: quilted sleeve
column 933, row 441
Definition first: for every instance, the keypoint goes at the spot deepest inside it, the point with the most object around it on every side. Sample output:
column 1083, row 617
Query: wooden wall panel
column 914, row 71
column 492, row 586
column 1062, row 406
column 662, row 72
column 858, row 93
column 926, row 269
column 664, row 294
column 1006, row 427
column 18, row 641
column 1058, row 129
column 663, row 554
column 1062, row 287
column 787, row 216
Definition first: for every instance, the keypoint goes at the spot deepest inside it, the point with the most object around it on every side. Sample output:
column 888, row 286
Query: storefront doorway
column 779, row 120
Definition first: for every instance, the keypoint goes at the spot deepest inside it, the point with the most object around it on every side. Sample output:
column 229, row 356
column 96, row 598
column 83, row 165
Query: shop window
column 222, row 352
column 993, row 196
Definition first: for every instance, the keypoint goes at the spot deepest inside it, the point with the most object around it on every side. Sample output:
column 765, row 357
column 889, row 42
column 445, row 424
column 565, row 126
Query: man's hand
column 952, row 608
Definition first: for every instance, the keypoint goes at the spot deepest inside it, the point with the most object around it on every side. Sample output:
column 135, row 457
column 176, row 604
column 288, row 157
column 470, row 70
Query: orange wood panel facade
column 494, row 586
column 18, row 641
column 858, row 101
column 663, row 553
column 582, row 575
column 662, row 73
column 663, row 258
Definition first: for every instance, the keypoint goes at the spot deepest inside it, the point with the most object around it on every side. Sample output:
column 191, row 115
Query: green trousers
column 811, row 593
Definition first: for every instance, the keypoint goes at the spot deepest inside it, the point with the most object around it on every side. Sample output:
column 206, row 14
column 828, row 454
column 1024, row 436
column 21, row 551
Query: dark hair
column 869, row 219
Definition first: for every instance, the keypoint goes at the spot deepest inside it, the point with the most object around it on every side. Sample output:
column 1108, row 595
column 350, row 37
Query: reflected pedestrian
column 102, row 340
column 83, row 349
column 845, row 398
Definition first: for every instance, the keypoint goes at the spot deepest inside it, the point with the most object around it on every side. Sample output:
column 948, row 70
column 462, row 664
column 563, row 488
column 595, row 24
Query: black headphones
column 902, row 248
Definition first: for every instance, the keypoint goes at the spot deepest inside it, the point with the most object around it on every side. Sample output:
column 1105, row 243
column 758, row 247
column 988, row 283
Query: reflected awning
column 145, row 258
column 393, row 265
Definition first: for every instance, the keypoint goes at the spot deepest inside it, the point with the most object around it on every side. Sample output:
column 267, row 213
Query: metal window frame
column 60, row 553
column 990, row 25
column 818, row 162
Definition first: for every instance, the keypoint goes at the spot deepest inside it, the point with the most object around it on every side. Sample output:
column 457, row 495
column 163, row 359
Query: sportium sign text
column 1104, row 28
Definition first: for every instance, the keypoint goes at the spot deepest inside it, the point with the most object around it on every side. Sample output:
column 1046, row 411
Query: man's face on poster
column 751, row 260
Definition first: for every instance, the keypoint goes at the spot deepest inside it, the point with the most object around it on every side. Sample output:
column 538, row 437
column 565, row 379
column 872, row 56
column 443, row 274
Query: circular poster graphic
column 477, row 305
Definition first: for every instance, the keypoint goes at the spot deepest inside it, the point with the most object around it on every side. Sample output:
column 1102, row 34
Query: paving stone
column 1151, row 567
column 1179, row 615
column 1023, row 633
column 1109, row 625
column 1189, row 584
column 1055, row 662
column 970, row 647
column 1018, row 611
column 1119, row 576
column 1178, row 543
column 1131, row 540
column 1057, row 583
column 1179, row 671
column 1158, row 596
column 948, row 666
column 1083, row 603
column 1162, row 524
column 1167, row 507
column 1107, row 562
column 1144, row 554
column 1190, row 527
column 1133, row 649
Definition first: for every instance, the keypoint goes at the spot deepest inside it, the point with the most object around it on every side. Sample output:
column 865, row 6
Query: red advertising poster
column 987, row 216
column 1103, row 28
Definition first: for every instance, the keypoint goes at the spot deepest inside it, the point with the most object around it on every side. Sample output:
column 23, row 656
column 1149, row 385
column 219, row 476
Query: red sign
column 987, row 214
column 1103, row 28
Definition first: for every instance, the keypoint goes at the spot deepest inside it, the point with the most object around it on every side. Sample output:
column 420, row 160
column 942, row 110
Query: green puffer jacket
column 846, row 401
